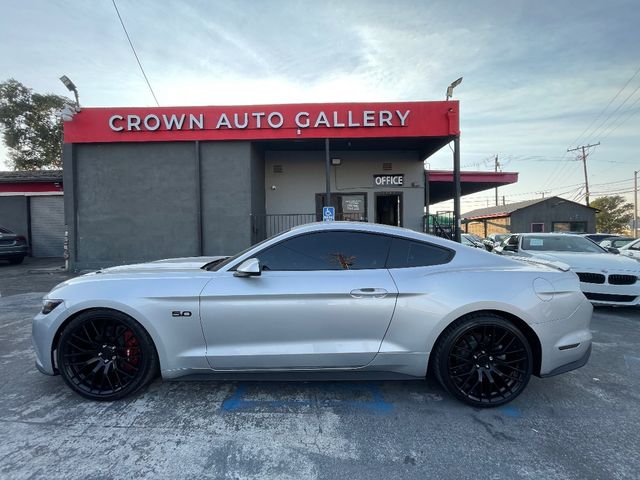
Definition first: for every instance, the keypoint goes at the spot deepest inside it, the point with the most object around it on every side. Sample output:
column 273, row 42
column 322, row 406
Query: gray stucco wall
column 552, row 210
column 129, row 202
column 14, row 215
column 230, row 171
column 303, row 176
column 135, row 202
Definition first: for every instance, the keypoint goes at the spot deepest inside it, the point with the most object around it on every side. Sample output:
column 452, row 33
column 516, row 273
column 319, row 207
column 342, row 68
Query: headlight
column 48, row 305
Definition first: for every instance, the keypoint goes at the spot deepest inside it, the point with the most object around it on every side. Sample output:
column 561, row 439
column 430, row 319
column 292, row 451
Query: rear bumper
column 582, row 361
column 14, row 251
column 566, row 343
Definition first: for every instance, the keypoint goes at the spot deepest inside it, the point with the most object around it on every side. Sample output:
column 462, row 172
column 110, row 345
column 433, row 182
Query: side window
column 407, row 253
column 327, row 251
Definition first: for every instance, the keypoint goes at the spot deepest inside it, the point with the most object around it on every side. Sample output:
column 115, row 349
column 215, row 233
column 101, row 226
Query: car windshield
column 560, row 243
column 218, row 264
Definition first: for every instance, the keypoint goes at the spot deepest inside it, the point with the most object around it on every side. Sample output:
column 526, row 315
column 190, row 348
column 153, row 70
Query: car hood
column 590, row 261
column 173, row 264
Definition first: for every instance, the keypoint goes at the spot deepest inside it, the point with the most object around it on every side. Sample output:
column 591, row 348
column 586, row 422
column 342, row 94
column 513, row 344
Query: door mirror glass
column 248, row 268
column 613, row 250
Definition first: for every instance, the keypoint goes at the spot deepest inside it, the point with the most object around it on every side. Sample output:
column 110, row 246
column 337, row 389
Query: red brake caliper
column 132, row 352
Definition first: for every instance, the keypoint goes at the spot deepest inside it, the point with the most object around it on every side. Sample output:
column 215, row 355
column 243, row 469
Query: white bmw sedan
column 321, row 301
column 605, row 278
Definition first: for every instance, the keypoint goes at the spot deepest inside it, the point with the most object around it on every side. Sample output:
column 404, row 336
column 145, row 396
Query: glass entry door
column 389, row 208
column 349, row 206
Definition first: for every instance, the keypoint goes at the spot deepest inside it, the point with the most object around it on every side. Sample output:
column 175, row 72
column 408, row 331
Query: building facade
column 553, row 214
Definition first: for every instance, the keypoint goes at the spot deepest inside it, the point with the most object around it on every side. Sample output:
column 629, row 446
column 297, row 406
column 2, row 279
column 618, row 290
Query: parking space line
column 240, row 401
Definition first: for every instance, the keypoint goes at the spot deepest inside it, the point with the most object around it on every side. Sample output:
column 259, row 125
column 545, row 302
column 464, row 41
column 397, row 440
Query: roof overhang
column 441, row 187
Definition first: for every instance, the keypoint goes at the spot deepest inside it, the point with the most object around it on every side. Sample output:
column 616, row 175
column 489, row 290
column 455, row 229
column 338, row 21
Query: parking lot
column 584, row 424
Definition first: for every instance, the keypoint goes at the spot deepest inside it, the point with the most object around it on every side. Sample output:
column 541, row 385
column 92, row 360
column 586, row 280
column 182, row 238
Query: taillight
column 21, row 240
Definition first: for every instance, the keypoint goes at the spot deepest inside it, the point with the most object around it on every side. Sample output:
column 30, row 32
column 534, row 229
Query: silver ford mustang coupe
column 326, row 301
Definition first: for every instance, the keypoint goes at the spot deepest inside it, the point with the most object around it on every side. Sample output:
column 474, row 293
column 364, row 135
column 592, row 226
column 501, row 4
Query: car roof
column 373, row 228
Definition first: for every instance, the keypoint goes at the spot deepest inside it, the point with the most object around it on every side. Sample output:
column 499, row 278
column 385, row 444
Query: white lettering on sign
column 112, row 121
column 388, row 180
column 173, row 121
column 278, row 123
column 151, row 126
column 302, row 123
column 245, row 122
column 257, row 120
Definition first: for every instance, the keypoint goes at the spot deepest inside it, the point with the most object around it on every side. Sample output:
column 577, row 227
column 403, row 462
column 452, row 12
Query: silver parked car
column 332, row 301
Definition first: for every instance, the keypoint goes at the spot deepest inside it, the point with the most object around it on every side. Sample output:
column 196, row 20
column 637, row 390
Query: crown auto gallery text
column 257, row 120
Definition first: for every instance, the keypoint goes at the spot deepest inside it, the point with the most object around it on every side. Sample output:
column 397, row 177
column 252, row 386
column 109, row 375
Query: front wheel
column 106, row 355
column 483, row 360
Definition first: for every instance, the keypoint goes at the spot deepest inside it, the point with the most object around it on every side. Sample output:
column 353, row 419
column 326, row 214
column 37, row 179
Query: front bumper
column 43, row 330
column 566, row 343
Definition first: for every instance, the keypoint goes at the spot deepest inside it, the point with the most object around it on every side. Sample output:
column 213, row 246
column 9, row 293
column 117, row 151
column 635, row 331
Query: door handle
column 368, row 292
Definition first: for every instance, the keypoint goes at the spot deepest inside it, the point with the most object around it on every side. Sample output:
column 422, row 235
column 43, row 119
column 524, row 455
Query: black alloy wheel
column 483, row 360
column 106, row 355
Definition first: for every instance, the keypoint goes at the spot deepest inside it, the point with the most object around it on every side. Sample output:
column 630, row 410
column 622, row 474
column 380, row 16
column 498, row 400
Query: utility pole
column 635, row 203
column 496, row 166
column 584, row 164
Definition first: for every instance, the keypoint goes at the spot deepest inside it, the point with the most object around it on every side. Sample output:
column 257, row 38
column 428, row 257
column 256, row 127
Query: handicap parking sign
column 328, row 214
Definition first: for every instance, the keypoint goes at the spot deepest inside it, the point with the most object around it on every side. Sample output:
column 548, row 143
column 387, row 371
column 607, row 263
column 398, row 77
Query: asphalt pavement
column 584, row 424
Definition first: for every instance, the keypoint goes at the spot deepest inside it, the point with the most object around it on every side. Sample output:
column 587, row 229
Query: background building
column 553, row 214
column 31, row 205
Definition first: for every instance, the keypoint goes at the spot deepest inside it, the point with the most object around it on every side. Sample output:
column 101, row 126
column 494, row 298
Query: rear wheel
column 483, row 360
column 106, row 355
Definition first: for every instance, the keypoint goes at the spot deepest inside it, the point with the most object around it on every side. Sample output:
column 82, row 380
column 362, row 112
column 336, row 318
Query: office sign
column 396, row 180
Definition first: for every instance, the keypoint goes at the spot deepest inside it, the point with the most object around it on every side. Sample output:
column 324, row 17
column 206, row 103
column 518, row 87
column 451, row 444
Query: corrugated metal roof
column 35, row 176
column 506, row 210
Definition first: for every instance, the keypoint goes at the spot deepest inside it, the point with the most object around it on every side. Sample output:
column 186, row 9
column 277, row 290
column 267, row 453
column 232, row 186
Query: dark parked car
column 598, row 237
column 13, row 247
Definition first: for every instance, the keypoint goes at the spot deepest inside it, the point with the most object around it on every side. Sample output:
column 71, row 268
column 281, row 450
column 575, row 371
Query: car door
column 323, row 300
column 633, row 250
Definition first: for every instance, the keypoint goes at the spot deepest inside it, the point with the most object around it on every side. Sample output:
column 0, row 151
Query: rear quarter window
column 409, row 253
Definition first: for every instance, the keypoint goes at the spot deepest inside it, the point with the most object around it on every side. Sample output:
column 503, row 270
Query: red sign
column 264, row 122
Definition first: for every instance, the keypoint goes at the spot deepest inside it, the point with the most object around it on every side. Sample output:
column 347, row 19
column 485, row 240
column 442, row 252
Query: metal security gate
column 47, row 226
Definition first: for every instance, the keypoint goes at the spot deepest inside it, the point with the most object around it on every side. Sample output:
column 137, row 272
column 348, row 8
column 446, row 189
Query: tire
column 106, row 355
column 16, row 260
column 483, row 360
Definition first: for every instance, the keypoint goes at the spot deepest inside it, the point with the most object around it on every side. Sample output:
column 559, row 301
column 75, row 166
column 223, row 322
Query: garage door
column 47, row 226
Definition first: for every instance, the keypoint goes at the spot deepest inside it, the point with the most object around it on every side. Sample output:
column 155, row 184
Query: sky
column 539, row 77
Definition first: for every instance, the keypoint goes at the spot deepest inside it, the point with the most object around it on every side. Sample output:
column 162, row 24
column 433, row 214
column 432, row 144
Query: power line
column 607, row 106
column 134, row 52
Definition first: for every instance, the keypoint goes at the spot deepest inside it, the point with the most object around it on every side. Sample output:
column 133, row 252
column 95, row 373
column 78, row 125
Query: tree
column 614, row 215
column 31, row 126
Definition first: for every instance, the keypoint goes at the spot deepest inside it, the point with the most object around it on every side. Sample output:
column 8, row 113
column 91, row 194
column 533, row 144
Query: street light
column 71, row 87
column 453, row 85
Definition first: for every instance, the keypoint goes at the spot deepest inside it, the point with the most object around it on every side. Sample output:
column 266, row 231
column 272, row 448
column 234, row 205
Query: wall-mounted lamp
column 336, row 161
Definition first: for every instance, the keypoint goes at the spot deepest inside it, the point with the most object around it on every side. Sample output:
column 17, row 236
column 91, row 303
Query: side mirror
column 613, row 250
column 510, row 248
column 249, row 268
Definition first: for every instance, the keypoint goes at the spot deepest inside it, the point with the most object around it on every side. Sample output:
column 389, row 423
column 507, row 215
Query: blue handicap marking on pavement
column 328, row 214
column 323, row 396
column 511, row 411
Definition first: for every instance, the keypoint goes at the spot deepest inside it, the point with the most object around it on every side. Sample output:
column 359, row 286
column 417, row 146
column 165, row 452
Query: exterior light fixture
column 71, row 87
column 453, row 85
column 336, row 161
